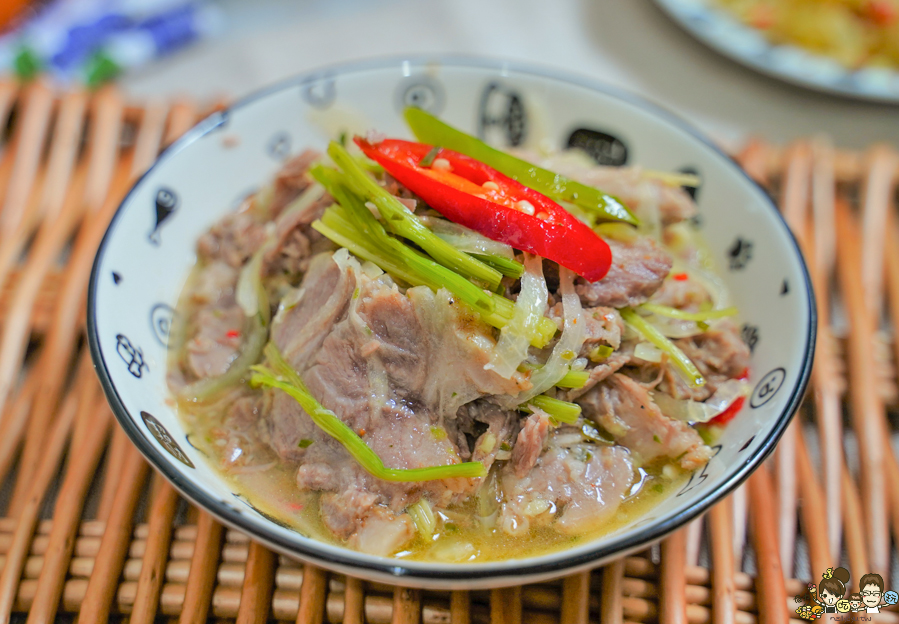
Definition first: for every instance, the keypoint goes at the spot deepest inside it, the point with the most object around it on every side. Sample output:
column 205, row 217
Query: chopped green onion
column 428, row 160
column 423, row 517
column 404, row 223
column 653, row 335
column 563, row 411
column 350, row 224
column 574, row 379
column 600, row 353
column 428, row 129
column 699, row 317
column 289, row 381
column 305, row 443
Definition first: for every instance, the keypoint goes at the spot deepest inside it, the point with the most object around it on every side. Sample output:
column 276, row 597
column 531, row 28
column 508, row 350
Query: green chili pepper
column 428, row 129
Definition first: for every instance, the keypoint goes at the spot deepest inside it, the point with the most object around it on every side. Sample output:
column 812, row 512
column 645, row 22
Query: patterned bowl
column 149, row 248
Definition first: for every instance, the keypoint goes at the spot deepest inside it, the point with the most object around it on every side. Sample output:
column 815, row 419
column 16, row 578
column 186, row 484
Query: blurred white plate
column 724, row 33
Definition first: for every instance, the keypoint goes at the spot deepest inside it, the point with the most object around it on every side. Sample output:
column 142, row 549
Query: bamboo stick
column 258, row 586
column 866, row 407
column 67, row 512
column 149, row 585
column 576, row 598
column 203, row 566
column 724, row 608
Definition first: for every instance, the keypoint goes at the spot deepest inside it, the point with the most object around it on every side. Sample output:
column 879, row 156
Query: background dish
column 149, row 247
column 724, row 33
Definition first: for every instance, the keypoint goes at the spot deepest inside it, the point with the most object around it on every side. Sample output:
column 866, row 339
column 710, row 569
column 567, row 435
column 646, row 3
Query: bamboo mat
column 88, row 528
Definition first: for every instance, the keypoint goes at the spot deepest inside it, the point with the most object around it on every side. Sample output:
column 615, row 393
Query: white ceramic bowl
column 149, row 248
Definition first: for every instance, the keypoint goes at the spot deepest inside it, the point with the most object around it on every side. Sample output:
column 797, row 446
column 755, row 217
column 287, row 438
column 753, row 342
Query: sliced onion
column 250, row 293
column 674, row 328
column 467, row 240
column 512, row 348
column 565, row 352
column 701, row 412
column 648, row 352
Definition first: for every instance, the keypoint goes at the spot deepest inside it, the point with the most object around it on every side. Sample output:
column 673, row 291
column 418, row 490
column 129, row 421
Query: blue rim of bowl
column 841, row 86
column 412, row 571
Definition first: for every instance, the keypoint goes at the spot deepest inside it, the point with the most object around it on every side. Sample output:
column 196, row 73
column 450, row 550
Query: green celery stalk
column 352, row 225
column 404, row 223
column 509, row 268
column 574, row 379
column 653, row 335
column 428, row 129
column 668, row 311
column 563, row 411
column 291, row 383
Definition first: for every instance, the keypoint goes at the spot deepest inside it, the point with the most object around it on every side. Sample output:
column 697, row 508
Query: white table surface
column 626, row 43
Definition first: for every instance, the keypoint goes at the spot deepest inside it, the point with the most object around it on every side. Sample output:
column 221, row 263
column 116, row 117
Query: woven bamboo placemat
column 88, row 528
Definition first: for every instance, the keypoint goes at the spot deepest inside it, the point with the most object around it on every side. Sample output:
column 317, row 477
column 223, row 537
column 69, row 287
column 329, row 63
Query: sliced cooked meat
column 215, row 331
column 624, row 408
column 217, row 341
column 683, row 294
column 489, row 426
column 214, row 284
column 530, row 443
column 382, row 532
column 393, row 366
column 600, row 371
column 292, row 180
column 719, row 353
column 574, row 489
column 456, row 347
column 307, row 315
column 638, row 269
column 233, row 239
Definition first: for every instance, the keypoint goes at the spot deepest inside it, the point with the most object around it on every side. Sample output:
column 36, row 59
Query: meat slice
column 573, row 489
column 624, row 408
column 638, row 269
column 529, row 443
column 395, row 367
column 292, row 180
column 216, row 330
column 719, row 353
column 600, row 371
column 233, row 239
column 382, row 532
column 217, row 341
column 307, row 316
column 458, row 348
column 683, row 294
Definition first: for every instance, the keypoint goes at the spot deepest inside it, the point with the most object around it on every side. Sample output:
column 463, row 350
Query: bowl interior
column 149, row 249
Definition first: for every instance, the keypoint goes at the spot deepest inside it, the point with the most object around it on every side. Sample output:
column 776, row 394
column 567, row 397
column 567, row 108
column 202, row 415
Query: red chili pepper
column 681, row 277
column 232, row 333
column 882, row 12
column 727, row 415
column 470, row 193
